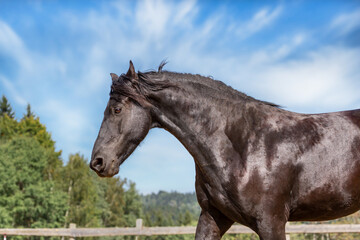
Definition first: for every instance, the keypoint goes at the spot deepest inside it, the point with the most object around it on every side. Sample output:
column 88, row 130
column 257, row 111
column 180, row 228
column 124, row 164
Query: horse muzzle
column 104, row 168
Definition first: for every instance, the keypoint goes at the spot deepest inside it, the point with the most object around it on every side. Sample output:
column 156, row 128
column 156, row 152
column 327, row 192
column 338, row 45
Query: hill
column 170, row 209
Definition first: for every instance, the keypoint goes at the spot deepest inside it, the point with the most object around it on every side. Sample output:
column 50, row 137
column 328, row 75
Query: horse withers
column 256, row 164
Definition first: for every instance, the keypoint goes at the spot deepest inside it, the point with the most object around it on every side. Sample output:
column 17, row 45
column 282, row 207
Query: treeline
column 170, row 209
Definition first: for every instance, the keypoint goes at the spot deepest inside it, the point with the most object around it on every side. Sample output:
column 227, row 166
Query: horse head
column 127, row 120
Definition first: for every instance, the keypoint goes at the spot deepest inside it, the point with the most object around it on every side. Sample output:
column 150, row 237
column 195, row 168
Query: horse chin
column 107, row 175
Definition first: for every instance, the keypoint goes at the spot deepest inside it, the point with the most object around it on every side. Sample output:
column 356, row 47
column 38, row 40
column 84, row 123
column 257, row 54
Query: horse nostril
column 98, row 164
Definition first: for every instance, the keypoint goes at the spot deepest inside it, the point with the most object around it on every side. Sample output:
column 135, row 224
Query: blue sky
column 57, row 56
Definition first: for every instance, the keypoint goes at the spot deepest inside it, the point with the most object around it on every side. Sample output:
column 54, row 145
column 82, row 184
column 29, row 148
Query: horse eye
column 117, row 110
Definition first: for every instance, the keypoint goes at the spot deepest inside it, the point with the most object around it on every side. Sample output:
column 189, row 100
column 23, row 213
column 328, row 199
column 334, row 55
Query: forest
column 40, row 190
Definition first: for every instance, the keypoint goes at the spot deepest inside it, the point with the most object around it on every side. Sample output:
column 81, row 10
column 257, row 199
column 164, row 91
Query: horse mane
column 139, row 89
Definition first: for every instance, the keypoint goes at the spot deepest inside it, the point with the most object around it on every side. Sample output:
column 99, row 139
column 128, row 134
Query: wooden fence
column 73, row 232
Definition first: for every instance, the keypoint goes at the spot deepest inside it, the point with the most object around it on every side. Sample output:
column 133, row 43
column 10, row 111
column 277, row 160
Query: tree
column 8, row 128
column 29, row 113
column 119, row 202
column 82, row 195
column 112, row 201
column 32, row 127
column 186, row 218
column 27, row 198
column 5, row 108
column 133, row 205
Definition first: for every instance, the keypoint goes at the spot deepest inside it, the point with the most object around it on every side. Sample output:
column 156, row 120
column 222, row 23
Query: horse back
column 328, row 182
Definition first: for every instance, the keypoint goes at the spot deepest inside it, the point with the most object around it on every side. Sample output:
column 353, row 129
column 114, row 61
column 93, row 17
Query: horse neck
column 196, row 115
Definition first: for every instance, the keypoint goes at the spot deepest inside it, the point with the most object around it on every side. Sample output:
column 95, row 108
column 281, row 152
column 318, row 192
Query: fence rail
column 140, row 230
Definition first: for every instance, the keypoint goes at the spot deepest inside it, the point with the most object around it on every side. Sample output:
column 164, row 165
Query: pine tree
column 29, row 113
column 5, row 108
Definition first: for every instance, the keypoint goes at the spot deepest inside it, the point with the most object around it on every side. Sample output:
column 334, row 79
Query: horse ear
column 131, row 72
column 114, row 77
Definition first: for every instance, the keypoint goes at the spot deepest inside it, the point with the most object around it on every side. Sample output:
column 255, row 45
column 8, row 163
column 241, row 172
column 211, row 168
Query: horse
column 256, row 163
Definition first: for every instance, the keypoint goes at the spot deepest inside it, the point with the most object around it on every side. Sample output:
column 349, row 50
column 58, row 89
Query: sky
column 57, row 56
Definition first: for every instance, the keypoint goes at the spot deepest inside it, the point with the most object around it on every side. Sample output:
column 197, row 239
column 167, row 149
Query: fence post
column 72, row 226
column 287, row 234
column 139, row 225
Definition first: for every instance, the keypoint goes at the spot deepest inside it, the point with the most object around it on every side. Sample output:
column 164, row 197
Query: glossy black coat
column 256, row 164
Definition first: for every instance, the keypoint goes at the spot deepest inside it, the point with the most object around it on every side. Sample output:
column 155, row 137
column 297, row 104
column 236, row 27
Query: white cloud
column 323, row 80
column 13, row 91
column 152, row 18
column 185, row 13
column 346, row 22
column 277, row 52
column 261, row 19
column 9, row 40
column 12, row 46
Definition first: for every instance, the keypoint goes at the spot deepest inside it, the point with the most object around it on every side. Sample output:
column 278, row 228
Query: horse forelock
column 138, row 89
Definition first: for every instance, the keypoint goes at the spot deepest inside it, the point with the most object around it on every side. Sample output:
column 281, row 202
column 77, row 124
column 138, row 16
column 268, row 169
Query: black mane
column 138, row 89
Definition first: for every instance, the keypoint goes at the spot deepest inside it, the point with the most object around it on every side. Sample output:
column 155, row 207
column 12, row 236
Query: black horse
column 256, row 164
